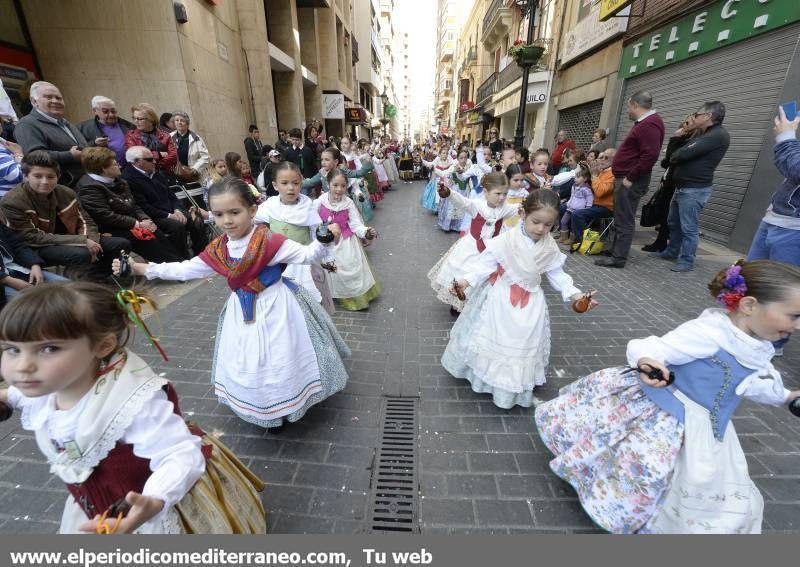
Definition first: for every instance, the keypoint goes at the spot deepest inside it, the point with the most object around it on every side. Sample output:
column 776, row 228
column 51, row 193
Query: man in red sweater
column 563, row 143
column 632, row 166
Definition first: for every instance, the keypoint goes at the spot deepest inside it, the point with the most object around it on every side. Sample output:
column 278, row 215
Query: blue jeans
column 683, row 221
column 775, row 243
column 48, row 277
column 582, row 218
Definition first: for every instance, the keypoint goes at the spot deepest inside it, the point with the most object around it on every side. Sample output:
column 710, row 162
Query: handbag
column 140, row 233
column 592, row 243
column 653, row 211
column 186, row 174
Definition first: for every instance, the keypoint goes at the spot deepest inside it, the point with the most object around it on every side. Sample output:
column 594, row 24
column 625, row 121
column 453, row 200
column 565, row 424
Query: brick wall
column 657, row 13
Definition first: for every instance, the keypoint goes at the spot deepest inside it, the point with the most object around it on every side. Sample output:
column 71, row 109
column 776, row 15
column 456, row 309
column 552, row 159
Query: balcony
column 508, row 75
column 354, row 45
column 446, row 86
column 487, row 89
column 472, row 55
column 496, row 24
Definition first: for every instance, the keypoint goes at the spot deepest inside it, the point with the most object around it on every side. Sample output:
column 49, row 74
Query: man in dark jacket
column 106, row 129
column 301, row 154
column 45, row 128
column 153, row 194
column 255, row 150
column 632, row 167
column 693, row 166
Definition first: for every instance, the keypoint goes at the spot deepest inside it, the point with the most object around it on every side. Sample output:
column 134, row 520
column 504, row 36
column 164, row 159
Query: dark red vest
column 475, row 230
column 120, row 472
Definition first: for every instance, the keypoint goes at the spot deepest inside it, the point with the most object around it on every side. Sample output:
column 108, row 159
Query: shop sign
column 537, row 93
column 466, row 106
column 610, row 8
column 333, row 106
column 591, row 32
column 354, row 115
column 473, row 116
column 723, row 23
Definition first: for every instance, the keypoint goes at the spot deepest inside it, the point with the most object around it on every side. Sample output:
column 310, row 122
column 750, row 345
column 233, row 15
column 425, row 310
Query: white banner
column 333, row 106
column 591, row 32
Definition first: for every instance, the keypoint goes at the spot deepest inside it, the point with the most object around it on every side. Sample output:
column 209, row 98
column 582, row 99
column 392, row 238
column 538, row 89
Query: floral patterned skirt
column 613, row 445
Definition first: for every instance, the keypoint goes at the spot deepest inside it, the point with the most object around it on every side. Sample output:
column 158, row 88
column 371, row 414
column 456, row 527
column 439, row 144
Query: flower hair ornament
column 734, row 288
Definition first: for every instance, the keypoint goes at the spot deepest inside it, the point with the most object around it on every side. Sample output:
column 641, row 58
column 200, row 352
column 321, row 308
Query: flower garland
column 734, row 288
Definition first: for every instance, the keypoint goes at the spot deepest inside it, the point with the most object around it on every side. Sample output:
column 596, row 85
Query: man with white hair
column 45, row 128
column 106, row 128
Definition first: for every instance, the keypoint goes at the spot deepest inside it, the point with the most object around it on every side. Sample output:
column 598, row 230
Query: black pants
column 626, row 201
column 159, row 249
column 59, row 255
column 178, row 232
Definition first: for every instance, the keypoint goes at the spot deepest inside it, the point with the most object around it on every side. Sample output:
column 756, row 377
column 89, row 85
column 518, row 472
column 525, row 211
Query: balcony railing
column 472, row 55
column 487, row 89
column 492, row 12
column 508, row 75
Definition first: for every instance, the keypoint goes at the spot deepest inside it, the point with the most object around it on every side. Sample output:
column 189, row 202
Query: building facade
column 274, row 63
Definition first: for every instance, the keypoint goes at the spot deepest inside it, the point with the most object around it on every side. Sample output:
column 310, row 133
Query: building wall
column 658, row 12
column 198, row 66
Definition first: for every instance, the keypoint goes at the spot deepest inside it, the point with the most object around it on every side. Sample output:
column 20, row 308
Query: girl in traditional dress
column 450, row 216
column 332, row 159
column 110, row 427
column 634, row 447
column 406, row 164
column 501, row 342
column 293, row 215
column 538, row 178
column 441, row 169
column 353, row 284
column 278, row 352
column 488, row 214
column 358, row 187
column 378, row 161
column 390, row 153
column 516, row 193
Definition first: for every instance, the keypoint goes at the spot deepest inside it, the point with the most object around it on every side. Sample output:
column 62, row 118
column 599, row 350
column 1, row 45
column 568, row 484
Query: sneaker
column 682, row 267
column 667, row 256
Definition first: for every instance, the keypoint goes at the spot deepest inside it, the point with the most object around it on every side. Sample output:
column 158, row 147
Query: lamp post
column 526, row 7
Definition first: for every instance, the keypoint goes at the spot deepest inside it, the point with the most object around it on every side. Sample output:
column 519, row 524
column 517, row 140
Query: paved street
column 482, row 469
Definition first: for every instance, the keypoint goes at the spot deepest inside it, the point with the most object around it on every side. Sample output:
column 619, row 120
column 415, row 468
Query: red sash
column 243, row 274
column 475, row 230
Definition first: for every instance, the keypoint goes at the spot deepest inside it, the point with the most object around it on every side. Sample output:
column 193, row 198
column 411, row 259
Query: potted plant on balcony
column 525, row 55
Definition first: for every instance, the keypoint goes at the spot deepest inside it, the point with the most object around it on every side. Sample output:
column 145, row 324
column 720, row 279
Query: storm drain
column 395, row 484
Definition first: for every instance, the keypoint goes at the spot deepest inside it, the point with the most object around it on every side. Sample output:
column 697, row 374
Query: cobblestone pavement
column 482, row 469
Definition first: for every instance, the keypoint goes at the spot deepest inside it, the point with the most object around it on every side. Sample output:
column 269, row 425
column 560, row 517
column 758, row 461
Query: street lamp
column 525, row 7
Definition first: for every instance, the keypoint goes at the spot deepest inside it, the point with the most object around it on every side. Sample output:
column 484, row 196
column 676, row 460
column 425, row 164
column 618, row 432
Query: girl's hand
column 458, row 288
column 336, row 231
column 143, row 509
column 137, row 268
column 582, row 306
column 36, row 276
column 793, row 395
column 371, row 233
column 649, row 363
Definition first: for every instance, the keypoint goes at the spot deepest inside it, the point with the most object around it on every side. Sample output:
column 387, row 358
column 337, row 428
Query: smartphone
column 790, row 109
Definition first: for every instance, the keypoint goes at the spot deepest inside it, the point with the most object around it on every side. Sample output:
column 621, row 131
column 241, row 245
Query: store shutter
column 747, row 77
column 580, row 122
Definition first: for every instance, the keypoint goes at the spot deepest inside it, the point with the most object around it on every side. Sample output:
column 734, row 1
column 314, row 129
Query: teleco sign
column 718, row 25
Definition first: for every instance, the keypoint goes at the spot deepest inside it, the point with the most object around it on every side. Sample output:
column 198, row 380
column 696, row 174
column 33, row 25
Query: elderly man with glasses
column 603, row 189
column 693, row 168
column 45, row 128
column 106, row 129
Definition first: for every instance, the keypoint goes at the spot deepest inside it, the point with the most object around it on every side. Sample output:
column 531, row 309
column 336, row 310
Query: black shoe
column 274, row 430
column 605, row 253
column 610, row 263
column 454, row 312
column 654, row 247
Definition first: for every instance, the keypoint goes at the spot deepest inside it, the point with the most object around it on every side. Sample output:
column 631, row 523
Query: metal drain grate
column 395, row 482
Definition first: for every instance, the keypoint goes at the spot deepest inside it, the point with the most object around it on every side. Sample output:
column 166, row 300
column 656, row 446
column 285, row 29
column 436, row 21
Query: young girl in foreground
column 501, row 342
column 110, row 427
column 487, row 215
column 278, row 352
column 633, row 448
column 353, row 284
